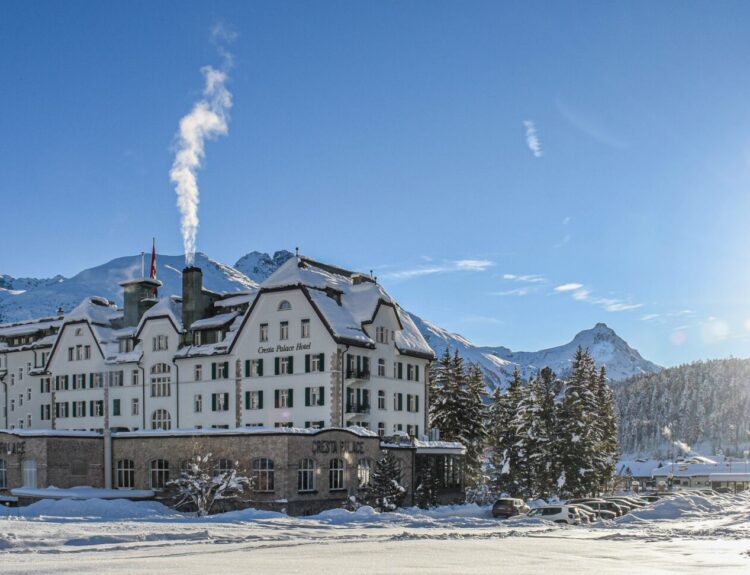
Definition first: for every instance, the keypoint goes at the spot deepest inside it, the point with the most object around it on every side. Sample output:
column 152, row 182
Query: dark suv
column 509, row 508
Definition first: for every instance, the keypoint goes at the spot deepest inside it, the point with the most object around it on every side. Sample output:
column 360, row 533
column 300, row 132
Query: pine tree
column 425, row 495
column 448, row 396
column 545, row 463
column 503, row 437
column 607, row 452
column 385, row 492
column 473, row 433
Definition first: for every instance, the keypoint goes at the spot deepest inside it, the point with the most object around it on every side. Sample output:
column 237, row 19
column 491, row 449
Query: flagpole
column 143, row 255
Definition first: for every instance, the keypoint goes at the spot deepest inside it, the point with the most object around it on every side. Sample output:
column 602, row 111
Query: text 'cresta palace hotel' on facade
column 315, row 355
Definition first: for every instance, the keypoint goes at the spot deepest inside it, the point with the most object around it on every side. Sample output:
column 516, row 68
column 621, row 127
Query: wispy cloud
column 586, row 123
column 568, row 287
column 466, row 265
column 528, row 278
column 650, row 316
column 515, row 292
column 532, row 139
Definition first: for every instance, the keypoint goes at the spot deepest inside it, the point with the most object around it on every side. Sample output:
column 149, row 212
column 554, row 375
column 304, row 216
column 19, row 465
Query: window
column 263, row 475
column 12, row 404
column 287, row 424
column 381, row 368
column 284, row 365
column 115, row 407
column 79, row 409
column 285, row 305
column 283, row 398
column 219, row 402
column 78, row 331
column 86, row 352
column 160, row 380
column 254, row 368
column 20, row 374
column 70, row 354
column 336, row 474
column 381, row 334
column 305, row 329
column 314, row 396
column 364, row 470
column 116, row 380
column 305, row 475
column 79, row 352
column 398, row 402
column 135, row 406
column 254, row 399
column 125, row 473
column 29, row 473
column 314, row 424
column 220, row 370
column 223, row 466
column 316, row 362
column 96, row 408
column 381, row 399
column 409, row 372
column 161, row 420
column 28, row 420
column 45, row 384
column 264, row 332
column 284, row 330
column 160, row 343
column 3, row 474
column 134, row 377
column 381, row 429
column 198, row 403
column 412, row 403
column 159, row 473
column 198, row 372
column 126, row 344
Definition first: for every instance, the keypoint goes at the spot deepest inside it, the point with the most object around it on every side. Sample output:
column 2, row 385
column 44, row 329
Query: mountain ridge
column 44, row 297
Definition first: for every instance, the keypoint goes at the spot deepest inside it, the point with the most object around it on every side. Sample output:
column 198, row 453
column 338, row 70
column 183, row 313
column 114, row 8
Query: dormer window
column 381, row 334
column 79, row 331
column 285, row 305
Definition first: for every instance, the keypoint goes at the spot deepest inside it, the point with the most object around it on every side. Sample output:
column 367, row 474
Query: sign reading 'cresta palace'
column 338, row 447
column 285, row 348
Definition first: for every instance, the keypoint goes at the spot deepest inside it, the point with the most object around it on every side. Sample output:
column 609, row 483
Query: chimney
column 193, row 302
column 134, row 294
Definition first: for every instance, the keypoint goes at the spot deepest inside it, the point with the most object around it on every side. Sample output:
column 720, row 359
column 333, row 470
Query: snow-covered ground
column 690, row 534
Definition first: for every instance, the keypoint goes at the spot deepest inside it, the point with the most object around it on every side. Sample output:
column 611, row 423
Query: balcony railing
column 357, row 374
column 363, row 408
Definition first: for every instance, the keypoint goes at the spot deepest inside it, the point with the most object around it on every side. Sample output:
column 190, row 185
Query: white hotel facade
column 313, row 346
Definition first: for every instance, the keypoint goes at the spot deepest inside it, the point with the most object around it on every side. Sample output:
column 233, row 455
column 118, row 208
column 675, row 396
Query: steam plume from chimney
column 207, row 120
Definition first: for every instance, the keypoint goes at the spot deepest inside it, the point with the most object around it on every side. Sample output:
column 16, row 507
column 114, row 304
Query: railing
column 357, row 408
column 357, row 374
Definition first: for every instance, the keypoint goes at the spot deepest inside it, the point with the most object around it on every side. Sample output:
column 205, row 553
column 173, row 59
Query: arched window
column 161, row 420
column 306, row 475
column 3, row 474
column 364, row 471
column 263, row 474
column 159, row 473
column 285, row 305
column 160, row 380
column 336, row 474
column 125, row 473
column 222, row 466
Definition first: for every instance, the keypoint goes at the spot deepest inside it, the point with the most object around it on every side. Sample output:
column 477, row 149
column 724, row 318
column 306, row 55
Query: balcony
column 357, row 409
column 361, row 374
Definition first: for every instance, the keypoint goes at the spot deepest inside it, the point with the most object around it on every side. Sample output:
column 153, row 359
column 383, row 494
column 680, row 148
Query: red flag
column 152, row 273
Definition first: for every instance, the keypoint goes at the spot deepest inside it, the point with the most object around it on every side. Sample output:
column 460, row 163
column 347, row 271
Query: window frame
column 306, row 475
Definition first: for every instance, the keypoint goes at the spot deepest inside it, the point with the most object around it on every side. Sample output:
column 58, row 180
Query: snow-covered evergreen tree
column 473, row 433
column 385, row 492
column 425, row 494
column 502, row 436
column 204, row 481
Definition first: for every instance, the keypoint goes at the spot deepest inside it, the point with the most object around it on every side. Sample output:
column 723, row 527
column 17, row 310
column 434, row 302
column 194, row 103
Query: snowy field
column 689, row 534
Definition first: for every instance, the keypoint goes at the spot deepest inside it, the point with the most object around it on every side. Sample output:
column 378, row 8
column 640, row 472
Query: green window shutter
column 321, row 397
column 91, row 380
column 408, row 402
column 400, row 401
column 322, row 360
column 116, row 407
column 416, row 404
column 291, row 364
column 213, row 370
column 213, row 402
column 276, row 400
column 226, row 370
column 260, row 399
column 366, row 364
column 247, row 400
column 276, row 363
column 226, row 402
column 247, row 368
column 416, row 373
column 307, row 363
column 307, row 396
column 291, row 398
column 307, row 424
column 260, row 367
column 400, row 370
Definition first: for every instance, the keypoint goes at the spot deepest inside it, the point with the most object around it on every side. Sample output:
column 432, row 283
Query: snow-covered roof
column 28, row 327
column 170, row 306
column 81, row 493
column 245, row 298
column 438, row 447
column 346, row 300
column 356, row 430
column 50, row 433
column 215, row 321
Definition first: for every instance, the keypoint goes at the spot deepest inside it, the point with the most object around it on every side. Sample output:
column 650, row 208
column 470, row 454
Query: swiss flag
column 152, row 273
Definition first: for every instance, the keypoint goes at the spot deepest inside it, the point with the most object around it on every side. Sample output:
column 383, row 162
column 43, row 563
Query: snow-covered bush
column 206, row 480
column 385, row 492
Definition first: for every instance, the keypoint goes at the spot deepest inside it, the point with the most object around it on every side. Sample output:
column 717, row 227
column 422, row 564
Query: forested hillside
column 704, row 406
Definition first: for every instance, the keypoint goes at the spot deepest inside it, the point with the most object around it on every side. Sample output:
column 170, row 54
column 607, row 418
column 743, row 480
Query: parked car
column 651, row 498
column 595, row 513
column 604, row 505
column 509, row 507
column 623, row 503
column 558, row 513
column 637, row 501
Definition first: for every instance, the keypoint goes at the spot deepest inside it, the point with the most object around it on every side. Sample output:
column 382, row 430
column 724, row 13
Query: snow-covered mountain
column 258, row 266
column 40, row 298
column 605, row 345
column 66, row 293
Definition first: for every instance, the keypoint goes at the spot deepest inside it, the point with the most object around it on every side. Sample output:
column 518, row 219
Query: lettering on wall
column 328, row 447
column 285, row 348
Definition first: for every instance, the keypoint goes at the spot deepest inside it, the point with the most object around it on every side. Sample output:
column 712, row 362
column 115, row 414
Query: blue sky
column 512, row 171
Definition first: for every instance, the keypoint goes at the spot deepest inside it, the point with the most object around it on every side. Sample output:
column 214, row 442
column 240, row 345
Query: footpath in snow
column 687, row 534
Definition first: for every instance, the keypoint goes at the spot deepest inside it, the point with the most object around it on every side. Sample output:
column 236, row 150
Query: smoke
column 207, row 120
column 680, row 445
